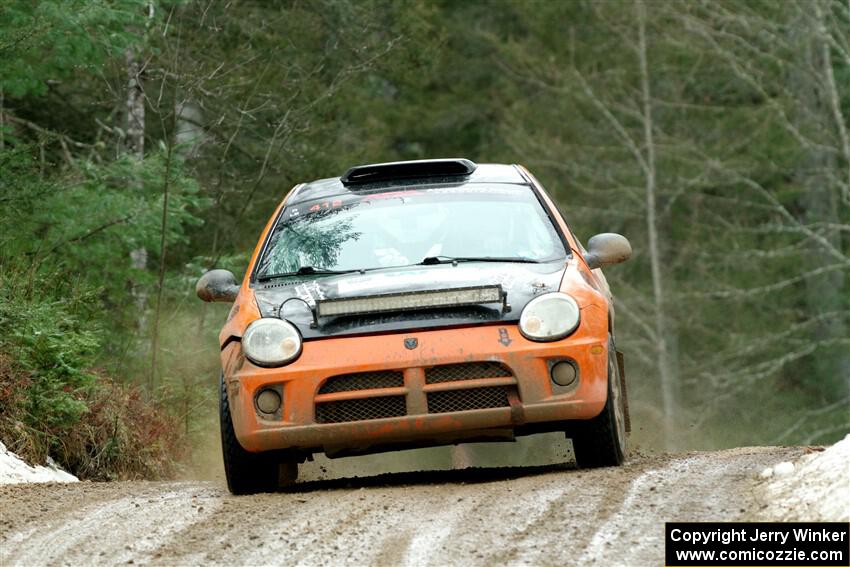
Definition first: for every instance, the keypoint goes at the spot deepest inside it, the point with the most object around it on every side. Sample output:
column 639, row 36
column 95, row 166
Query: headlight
column 271, row 342
column 549, row 317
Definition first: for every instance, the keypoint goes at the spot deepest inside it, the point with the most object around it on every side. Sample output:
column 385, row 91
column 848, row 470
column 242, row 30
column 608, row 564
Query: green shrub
column 50, row 342
column 69, row 304
column 53, row 403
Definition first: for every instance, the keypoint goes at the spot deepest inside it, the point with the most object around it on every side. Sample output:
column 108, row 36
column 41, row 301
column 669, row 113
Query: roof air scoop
column 377, row 172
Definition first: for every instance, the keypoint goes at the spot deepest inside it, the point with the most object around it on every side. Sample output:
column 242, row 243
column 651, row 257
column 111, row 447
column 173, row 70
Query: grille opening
column 465, row 371
column 363, row 381
column 469, row 399
column 361, row 410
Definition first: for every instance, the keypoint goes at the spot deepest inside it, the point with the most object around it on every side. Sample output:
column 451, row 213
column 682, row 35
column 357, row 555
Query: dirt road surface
column 541, row 515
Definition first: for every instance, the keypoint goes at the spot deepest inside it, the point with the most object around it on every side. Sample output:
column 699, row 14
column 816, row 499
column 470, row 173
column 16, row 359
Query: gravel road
column 538, row 515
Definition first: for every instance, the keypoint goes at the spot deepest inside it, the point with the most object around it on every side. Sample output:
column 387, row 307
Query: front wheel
column 246, row 472
column 601, row 441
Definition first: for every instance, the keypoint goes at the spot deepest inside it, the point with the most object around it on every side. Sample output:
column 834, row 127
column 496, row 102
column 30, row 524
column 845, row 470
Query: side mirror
column 217, row 285
column 607, row 248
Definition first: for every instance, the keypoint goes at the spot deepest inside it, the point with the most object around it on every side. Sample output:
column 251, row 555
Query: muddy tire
column 246, row 472
column 601, row 441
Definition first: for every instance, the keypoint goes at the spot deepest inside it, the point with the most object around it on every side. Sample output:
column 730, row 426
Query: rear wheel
column 601, row 441
column 246, row 472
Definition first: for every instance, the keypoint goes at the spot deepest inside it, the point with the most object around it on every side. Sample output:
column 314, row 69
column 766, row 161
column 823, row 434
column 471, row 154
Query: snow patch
column 13, row 470
column 815, row 488
column 784, row 469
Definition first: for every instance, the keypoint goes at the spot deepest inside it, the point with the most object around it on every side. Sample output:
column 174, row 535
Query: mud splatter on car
column 414, row 304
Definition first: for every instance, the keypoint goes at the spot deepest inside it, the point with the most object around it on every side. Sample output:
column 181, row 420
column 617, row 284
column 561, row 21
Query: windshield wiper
column 304, row 271
column 432, row 260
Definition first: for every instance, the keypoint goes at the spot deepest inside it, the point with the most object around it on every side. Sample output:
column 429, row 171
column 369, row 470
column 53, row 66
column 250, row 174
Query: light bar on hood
column 410, row 301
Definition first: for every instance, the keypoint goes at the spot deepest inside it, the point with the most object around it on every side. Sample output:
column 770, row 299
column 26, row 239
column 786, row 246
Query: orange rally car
column 414, row 304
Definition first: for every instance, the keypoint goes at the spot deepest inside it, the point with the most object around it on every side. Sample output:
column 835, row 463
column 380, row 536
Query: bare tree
column 662, row 332
column 713, row 134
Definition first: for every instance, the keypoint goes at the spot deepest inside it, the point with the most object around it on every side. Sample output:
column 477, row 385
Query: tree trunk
column 665, row 367
column 134, row 142
column 134, row 146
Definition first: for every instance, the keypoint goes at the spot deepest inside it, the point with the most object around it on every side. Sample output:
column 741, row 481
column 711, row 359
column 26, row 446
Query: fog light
column 268, row 401
column 564, row 373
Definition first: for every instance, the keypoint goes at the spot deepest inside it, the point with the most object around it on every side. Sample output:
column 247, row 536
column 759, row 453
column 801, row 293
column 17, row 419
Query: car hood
column 520, row 282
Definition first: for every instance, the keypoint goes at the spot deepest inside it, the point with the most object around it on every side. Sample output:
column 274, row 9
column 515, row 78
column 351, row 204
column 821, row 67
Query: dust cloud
column 533, row 450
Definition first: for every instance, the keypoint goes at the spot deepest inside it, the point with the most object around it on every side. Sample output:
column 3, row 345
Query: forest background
column 144, row 142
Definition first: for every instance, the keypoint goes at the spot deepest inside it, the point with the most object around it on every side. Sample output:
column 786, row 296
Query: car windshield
column 401, row 228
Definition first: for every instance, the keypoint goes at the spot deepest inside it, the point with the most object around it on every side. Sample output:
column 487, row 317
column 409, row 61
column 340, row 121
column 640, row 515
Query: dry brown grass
column 121, row 436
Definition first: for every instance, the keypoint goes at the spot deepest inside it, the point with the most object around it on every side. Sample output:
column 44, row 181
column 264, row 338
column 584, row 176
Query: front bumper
column 521, row 394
